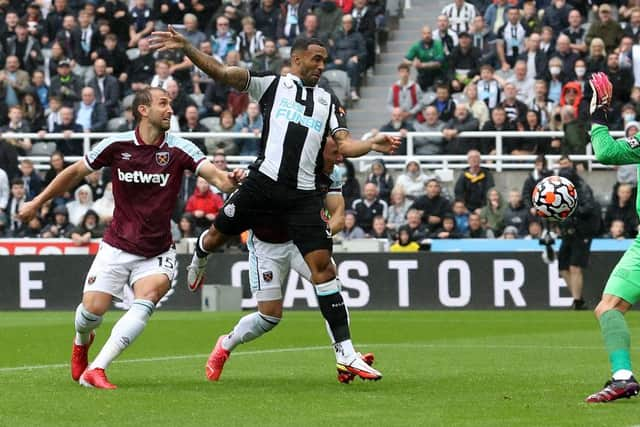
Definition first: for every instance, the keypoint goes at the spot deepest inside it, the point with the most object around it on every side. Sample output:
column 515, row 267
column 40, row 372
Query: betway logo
column 139, row 177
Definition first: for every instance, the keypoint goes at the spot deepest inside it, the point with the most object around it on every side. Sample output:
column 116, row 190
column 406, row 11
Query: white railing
column 499, row 161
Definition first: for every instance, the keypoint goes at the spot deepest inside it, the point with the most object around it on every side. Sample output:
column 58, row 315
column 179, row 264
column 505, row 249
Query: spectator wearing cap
column 60, row 227
column 13, row 81
column 91, row 115
column 66, row 85
column 605, row 28
column 25, row 47
column 510, row 232
column 464, row 62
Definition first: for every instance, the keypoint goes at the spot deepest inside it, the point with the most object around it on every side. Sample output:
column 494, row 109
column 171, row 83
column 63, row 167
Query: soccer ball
column 554, row 198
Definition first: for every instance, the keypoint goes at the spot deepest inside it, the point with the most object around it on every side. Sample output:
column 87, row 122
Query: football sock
column 617, row 339
column 200, row 251
column 249, row 328
column 85, row 323
column 333, row 309
column 124, row 332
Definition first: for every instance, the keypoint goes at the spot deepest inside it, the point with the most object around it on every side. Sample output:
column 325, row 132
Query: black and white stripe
column 460, row 19
column 297, row 120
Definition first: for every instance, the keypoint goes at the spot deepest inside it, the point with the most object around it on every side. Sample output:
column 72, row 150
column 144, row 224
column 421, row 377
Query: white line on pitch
column 316, row 348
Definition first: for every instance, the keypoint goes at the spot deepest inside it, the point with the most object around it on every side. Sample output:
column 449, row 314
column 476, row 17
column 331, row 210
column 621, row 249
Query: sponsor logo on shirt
column 139, row 177
column 294, row 112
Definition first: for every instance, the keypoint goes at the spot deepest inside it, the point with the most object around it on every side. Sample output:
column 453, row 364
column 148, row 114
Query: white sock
column 344, row 350
column 249, row 328
column 85, row 323
column 124, row 332
column 622, row 374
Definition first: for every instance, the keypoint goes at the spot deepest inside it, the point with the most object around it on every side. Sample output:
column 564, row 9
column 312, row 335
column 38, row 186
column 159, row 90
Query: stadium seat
column 197, row 98
column 43, row 148
column 339, row 82
column 127, row 101
column 210, row 123
column 428, row 98
column 285, row 52
column 133, row 53
column 115, row 123
column 459, row 98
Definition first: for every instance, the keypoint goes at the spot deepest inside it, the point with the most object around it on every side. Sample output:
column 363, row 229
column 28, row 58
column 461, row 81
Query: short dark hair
column 303, row 43
column 17, row 181
column 143, row 97
column 404, row 66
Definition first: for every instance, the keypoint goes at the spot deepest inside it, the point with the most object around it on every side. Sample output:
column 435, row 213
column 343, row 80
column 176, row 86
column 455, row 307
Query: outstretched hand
column 237, row 176
column 167, row 40
column 386, row 143
column 602, row 91
column 27, row 212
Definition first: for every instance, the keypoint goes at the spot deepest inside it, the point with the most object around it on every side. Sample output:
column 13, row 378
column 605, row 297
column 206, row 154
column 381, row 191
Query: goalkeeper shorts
column 624, row 281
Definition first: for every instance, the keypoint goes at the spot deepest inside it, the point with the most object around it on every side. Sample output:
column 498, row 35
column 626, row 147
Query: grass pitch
column 441, row 368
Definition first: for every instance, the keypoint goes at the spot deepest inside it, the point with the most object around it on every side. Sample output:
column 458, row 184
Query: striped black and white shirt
column 460, row 19
column 297, row 119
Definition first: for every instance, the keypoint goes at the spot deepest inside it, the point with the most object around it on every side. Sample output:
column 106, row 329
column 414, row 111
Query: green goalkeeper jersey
column 609, row 151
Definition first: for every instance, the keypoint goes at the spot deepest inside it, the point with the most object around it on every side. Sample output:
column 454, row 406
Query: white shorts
column 113, row 269
column 269, row 266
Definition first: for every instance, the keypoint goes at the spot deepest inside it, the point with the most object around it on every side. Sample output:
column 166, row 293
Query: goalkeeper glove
column 601, row 98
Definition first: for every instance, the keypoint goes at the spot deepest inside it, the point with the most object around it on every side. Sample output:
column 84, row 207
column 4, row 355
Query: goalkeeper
column 623, row 287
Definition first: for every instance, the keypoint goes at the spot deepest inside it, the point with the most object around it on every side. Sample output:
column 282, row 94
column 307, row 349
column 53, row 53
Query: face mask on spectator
column 629, row 117
column 554, row 71
column 580, row 71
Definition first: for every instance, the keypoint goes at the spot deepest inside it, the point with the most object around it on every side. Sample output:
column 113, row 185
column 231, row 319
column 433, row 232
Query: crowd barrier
column 498, row 162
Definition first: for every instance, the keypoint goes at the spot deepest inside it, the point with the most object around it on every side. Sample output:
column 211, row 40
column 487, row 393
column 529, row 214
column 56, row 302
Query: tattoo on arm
column 232, row 76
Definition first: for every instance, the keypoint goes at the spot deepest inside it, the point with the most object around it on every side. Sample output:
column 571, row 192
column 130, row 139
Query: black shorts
column 574, row 251
column 261, row 202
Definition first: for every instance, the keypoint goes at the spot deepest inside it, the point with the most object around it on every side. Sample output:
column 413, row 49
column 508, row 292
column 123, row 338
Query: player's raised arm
column 607, row 149
column 63, row 182
column 236, row 77
column 225, row 181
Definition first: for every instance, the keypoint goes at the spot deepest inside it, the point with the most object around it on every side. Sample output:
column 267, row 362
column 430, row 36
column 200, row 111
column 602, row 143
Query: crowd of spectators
column 493, row 65
column 69, row 67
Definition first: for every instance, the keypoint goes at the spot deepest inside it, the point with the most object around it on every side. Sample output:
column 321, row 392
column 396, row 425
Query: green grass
column 441, row 368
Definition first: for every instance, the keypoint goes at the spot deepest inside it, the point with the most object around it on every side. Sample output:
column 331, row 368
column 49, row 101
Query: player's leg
column 268, row 267
column 150, row 279
column 240, row 210
column 621, row 292
column 578, row 261
column 299, row 265
column 103, row 282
